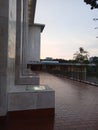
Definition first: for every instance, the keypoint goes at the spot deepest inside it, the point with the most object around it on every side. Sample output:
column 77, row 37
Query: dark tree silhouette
column 93, row 3
column 81, row 56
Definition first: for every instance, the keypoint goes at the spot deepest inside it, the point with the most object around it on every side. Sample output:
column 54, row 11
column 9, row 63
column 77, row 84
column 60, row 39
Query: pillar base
column 31, row 97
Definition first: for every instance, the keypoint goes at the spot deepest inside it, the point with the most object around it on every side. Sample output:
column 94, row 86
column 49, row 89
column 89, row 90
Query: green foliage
column 93, row 3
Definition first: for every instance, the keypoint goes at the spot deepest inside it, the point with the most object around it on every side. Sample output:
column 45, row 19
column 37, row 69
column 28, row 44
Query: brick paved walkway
column 76, row 108
column 76, row 103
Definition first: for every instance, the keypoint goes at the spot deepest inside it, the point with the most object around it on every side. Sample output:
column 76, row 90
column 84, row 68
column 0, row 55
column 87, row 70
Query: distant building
column 93, row 59
column 49, row 58
column 47, row 61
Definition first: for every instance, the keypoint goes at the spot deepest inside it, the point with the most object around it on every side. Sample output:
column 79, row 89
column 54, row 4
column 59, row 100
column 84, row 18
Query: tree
column 81, row 56
column 93, row 3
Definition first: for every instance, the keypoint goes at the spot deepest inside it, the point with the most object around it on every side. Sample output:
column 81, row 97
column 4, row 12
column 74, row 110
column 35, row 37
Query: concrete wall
column 7, row 45
column 34, row 43
column 4, row 16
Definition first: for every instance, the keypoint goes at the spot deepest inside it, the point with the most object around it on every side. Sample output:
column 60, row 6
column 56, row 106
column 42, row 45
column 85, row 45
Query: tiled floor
column 76, row 108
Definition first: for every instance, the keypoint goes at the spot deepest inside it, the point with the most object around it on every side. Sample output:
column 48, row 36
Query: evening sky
column 69, row 25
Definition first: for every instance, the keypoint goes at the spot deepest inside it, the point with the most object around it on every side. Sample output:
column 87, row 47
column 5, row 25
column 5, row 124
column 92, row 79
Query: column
column 4, row 17
column 34, row 40
column 21, row 76
column 25, row 34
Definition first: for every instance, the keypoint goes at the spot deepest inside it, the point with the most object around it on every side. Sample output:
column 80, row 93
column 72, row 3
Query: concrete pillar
column 11, row 44
column 22, row 75
column 25, row 34
column 31, row 10
column 18, row 62
column 21, row 37
column 34, row 40
column 4, row 17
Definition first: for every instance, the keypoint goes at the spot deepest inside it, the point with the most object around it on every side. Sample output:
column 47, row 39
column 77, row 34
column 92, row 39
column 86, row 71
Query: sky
column 69, row 25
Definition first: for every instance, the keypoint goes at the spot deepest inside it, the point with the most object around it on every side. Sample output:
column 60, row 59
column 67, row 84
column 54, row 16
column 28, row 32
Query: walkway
column 76, row 107
column 76, row 103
